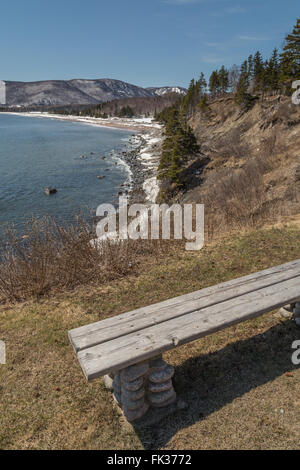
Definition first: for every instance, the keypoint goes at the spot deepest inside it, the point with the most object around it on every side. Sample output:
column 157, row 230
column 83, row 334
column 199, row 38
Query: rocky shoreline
column 142, row 156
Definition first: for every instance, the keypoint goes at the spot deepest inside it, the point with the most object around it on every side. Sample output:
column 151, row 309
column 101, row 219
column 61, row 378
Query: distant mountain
column 160, row 91
column 77, row 92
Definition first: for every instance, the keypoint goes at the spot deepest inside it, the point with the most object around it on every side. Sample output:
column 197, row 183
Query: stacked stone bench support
column 127, row 349
column 144, row 385
column 297, row 313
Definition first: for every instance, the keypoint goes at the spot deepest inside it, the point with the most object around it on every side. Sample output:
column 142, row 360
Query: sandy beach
column 134, row 124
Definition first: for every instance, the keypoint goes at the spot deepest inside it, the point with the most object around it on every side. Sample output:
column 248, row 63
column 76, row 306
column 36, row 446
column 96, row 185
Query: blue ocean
column 35, row 153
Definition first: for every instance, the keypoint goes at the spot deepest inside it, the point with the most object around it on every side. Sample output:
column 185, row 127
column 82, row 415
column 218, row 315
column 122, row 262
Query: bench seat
column 116, row 343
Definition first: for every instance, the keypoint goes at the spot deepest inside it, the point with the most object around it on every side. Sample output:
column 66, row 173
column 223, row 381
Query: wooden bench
column 128, row 348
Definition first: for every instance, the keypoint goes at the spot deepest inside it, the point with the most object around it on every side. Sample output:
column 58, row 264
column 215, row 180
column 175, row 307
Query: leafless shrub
column 238, row 199
column 271, row 145
column 282, row 114
column 231, row 145
column 51, row 257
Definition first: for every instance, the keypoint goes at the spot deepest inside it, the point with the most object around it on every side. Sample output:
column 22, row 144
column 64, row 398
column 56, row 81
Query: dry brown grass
column 241, row 387
column 51, row 258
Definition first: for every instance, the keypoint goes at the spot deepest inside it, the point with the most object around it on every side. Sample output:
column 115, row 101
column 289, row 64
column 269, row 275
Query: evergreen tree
column 243, row 83
column 179, row 145
column 258, row 71
column 250, row 65
column 203, row 103
column 290, row 58
column 223, row 78
column 214, row 83
column 272, row 72
column 195, row 92
column 202, row 85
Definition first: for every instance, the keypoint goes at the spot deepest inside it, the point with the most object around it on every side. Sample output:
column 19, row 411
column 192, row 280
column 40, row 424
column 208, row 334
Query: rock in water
column 48, row 190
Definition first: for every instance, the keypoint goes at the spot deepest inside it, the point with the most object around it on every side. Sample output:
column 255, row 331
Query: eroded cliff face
column 249, row 156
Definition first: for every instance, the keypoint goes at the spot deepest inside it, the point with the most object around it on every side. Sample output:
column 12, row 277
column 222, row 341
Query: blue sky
column 145, row 42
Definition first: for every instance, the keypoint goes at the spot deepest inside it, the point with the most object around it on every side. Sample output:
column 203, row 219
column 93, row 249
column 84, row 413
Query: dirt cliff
column 250, row 162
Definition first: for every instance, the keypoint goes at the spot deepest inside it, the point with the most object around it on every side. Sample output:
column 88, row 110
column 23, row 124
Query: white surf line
column 129, row 181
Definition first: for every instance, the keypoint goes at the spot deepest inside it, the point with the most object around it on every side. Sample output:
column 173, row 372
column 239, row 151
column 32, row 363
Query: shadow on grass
column 209, row 382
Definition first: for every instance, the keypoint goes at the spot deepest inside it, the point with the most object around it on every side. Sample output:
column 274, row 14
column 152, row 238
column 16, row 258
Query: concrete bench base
column 297, row 313
column 291, row 311
column 146, row 385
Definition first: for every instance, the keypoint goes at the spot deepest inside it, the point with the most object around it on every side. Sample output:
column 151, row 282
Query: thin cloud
column 212, row 60
column 180, row 2
column 253, row 38
column 214, row 44
column 235, row 10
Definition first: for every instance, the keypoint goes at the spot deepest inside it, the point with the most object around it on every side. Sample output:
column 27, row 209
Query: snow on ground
column 113, row 122
column 151, row 189
column 150, row 159
column 153, row 141
column 146, row 156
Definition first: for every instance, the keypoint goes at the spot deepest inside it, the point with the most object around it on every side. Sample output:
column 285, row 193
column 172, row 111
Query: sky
column 144, row 42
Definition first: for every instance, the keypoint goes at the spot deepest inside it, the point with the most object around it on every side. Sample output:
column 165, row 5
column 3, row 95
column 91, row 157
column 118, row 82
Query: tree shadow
column 210, row 381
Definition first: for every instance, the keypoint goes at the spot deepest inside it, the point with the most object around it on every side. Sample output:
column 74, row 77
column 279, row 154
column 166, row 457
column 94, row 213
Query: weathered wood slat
column 135, row 347
column 121, row 325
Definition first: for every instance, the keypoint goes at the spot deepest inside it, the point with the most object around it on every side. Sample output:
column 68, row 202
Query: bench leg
column 130, row 391
column 138, row 387
column 297, row 313
column 160, row 387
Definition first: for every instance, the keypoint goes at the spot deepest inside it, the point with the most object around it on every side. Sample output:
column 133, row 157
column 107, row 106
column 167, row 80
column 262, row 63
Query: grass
column 240, row 384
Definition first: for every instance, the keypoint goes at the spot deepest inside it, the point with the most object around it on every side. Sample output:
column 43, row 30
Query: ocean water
column 35, row 153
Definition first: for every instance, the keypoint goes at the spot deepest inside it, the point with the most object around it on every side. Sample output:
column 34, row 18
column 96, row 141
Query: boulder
column 48, row 190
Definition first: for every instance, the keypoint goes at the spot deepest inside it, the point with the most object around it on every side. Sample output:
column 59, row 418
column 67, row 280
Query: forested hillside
column 235, row 135
column 126, row 107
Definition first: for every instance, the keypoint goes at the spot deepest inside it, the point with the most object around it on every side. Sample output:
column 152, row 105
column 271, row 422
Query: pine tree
column 290, row 58
column 195, row 92
column 214, row 83
column 223, row 77
column 272, row 72
column 258, row 71
column 202, row 84
column 242, row 95
column 250, row 65
column 203, row 103
column 179, row 145
column 243, row 83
